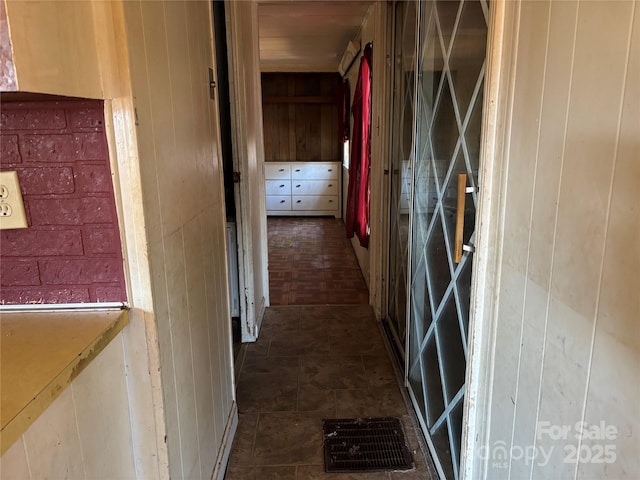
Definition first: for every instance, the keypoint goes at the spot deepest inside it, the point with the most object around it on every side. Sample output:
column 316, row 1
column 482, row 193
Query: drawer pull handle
column 330, row 201
column 297, row 186
column 282, row 201
column 281, row 170
column 297, row 169
column 331, row 185
column 281, row 186
column 299, row 201
column 331, row 169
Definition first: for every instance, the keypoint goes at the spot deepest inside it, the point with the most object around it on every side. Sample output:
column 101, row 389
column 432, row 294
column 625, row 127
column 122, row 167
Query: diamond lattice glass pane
column 447, row 12
column 464, row 294
column 437, row 264
column 415, row 381
column 444, row 133
column 472, row 135
column 432, row 385
column 431, row 66
column 440, row 438
column 421, row 309
column 451, row 350
column 425, row 197
column 456, row 428
column 468, row 53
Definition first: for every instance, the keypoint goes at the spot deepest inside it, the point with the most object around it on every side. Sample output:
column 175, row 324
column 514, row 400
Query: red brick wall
column 71, row 251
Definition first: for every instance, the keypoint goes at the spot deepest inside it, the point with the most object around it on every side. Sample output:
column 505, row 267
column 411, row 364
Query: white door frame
column 501, row 50
column 244, row 74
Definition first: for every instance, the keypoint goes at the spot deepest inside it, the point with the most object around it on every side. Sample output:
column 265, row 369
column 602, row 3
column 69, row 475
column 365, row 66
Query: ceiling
column 307, row 36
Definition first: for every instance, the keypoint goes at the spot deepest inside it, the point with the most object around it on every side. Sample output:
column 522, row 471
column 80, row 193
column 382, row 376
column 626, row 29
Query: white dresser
column 303, row 188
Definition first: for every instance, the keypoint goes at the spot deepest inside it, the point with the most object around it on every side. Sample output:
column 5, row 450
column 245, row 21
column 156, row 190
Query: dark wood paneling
column 300, row 117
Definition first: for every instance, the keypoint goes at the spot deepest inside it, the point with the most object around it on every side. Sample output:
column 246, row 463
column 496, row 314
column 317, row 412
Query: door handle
column 462, row 191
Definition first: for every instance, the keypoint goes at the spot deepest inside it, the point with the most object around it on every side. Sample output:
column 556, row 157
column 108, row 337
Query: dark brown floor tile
column 379, row 371
column 281, row 314
column 333, row 316
column 356, row 345
column 332, row 372
column 261, row 473
column 267, row 392
column 316, row 472
column 370, row 402
column 312, row 399
column 258, row 349
column 284, row 366
column 242, row 448
column 345, row 297
column 275, row 330
column 288, row 439
column 299, row 342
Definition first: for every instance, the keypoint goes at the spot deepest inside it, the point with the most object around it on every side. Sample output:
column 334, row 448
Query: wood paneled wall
column 300, row 117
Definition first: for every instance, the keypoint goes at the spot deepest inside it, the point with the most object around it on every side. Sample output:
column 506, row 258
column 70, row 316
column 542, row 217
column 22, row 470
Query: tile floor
column 313, row 362
column 311, row 262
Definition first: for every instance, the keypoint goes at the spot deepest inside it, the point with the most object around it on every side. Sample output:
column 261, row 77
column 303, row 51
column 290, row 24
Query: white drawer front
column 278, row 202
column 315, row 202
column 278, row 187
column 277, row 171
column 314, row 187
column 314, row 171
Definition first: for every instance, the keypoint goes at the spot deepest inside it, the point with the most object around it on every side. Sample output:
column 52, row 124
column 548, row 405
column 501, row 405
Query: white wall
column 565, row 337
column 170, row 48
column 85, row 432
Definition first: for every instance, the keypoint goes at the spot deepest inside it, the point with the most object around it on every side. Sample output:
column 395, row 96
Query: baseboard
column 227, row 440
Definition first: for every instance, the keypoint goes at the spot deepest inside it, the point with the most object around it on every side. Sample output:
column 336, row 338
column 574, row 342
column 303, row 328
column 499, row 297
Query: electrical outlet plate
column 12, row 214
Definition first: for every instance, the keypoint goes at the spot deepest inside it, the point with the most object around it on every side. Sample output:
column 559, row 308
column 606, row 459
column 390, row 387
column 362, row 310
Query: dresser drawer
column 278, row 187
column 314, row 187
column 315, row 202
column 277, row 171
column 278, row 202
column 314, row 171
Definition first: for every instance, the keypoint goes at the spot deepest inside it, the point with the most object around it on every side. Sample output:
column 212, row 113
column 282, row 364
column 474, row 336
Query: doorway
column 437, row 116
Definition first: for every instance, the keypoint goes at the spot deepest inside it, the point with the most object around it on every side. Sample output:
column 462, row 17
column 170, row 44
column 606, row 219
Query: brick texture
column 71, row 252
column 9, row 152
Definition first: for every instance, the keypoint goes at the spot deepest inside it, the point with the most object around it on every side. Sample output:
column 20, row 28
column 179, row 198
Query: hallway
column 313, row 362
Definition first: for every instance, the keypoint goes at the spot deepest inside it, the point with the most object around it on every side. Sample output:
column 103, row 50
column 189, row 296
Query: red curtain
column 357, row 218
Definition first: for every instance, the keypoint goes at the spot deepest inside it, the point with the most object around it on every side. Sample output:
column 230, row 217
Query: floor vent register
column 365, row 445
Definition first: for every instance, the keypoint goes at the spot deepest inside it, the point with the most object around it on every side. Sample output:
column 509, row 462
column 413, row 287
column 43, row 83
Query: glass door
column 402, row 151
column 450, row 65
